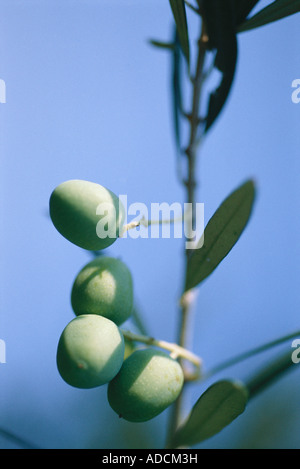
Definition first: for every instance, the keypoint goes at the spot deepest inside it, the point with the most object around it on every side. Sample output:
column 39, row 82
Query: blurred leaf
column 242, row 9
column 16, row 440
column 218, row 406
column 179, row 13
column 138, row 320
column 176, row 92
column 271, row 372
column 250, row 353
column 221, row 234
column 219, row 17
column 273, row 12
column 192, row 7
column 175, row 48
column 162, row 44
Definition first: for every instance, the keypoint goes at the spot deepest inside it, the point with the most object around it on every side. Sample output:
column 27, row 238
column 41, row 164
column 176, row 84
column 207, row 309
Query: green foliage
column 77, row 207
column 242, row 9
column 104, row 286
column 221, row 234
column 179, row 13
column 148, row 382
column 217, row 407
column 270, row 373
column 90, row 351
column 221, row 30
column 162, row 45
column 273, row 12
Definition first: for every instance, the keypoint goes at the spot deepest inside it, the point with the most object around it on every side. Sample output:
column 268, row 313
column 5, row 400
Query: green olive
column 104, row 286
column 87, row 214
column 90, row 351
column 148, row 382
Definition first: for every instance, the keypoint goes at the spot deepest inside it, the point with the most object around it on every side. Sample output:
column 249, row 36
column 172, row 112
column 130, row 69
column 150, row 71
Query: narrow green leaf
column 192, row 7
column 218, row 406
column 221, row 234
column 271, row 372
column 179, row 13
column 243, row 8
column 220, row 23
column 273, row 12
column 162, row 44
column 176, row 92
column 252, row 353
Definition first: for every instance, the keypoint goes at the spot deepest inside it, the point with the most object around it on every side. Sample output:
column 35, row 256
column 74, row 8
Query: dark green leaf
column 162, row 44
column 176, row 92
column 273, row 12
column 218, row 406
column 221, row 234
column 219, row 17
column 179, row 13
column 242, row 9
column 192, row 7
column 271, row 372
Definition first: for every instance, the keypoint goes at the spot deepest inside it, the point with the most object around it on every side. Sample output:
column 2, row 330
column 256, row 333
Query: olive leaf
column 162, row 44
column 275, row 11
column 219, row 17
column 176, row 92
column 242, row 9
column 271, row 372
column 216, row 408
column 221, row 234
column 179, row 13
column 175, row 48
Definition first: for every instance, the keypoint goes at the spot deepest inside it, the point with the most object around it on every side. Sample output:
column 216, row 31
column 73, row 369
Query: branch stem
column 176, row 350
column 190, row 184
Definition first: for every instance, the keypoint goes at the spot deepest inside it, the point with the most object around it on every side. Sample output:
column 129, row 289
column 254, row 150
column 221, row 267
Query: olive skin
column 149, row 381
column 104, row 286
column 86, row 214
column 90, row 351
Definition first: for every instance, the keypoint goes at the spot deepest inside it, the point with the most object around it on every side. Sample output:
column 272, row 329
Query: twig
column 146, row 223
column 190, row 184
column 176, row 350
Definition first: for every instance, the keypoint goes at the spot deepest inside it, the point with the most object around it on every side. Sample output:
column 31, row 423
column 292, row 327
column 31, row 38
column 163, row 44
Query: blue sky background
column 88, row 98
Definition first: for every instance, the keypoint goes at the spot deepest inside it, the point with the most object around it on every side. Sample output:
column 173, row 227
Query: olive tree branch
column 190, row 184
column 146, row 223
column 176, row 350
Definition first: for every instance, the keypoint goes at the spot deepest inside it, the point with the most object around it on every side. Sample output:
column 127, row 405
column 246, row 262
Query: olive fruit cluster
column 91, row 349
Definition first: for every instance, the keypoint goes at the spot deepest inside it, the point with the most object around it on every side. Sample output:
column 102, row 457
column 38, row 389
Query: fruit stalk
column 176, row 350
